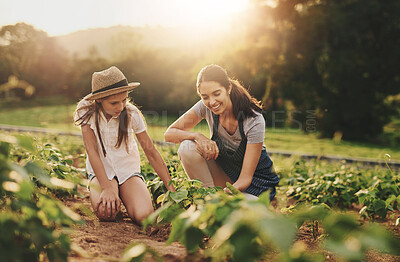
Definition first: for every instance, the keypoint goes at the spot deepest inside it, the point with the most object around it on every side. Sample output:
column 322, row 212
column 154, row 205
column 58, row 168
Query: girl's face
column 114, row 104
column 215, row 97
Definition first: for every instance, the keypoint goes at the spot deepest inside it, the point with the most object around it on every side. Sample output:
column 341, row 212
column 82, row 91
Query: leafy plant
column 32, row 222
column 137, row 252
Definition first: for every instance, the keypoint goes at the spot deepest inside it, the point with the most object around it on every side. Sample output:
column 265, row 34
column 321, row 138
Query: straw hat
column 108, row 82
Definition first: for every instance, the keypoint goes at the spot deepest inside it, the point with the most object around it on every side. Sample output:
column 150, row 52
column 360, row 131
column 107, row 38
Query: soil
column 106, row 241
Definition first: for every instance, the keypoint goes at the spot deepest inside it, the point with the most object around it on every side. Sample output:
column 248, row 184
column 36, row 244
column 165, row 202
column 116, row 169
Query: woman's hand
column 109, row 203
column 207, row 147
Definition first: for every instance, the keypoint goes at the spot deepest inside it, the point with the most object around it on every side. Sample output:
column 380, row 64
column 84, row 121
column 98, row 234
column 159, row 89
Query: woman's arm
column 250, row 161
column 108, row 195
column 155, row 158
column 180, row 131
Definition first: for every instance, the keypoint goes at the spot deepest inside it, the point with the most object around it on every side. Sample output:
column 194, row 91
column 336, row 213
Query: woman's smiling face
column 215, row 96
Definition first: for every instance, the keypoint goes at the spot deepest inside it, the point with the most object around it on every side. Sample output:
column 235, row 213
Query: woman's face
column 113, row 105
column 215, row 97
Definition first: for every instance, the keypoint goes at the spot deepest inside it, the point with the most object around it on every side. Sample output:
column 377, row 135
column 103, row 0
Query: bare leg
column 136, row 198
column 218, row 175
column 194, row 164
column 95, row 191
column 207, row 171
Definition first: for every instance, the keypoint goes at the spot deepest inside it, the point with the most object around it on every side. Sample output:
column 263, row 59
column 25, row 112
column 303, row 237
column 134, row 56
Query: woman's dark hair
column 243, row 103
column 93, row 109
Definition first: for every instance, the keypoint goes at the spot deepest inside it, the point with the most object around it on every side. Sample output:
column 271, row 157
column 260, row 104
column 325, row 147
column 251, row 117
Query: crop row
column 226, row 227
column 376, row 190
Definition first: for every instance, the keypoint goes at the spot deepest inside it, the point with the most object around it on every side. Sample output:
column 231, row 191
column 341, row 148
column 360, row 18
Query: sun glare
column 79, row 15
column 208, row 12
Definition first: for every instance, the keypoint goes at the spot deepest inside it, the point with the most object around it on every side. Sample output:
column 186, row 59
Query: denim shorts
column 91, row 176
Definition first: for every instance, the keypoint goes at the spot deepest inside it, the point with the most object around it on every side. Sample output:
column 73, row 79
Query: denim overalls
column 231, row 162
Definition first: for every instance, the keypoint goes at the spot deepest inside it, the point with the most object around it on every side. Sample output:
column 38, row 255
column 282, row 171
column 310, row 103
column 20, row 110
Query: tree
column 341, row 59
column 31, row 55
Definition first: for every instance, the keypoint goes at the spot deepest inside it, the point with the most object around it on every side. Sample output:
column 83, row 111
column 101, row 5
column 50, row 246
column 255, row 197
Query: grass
column 59, row 116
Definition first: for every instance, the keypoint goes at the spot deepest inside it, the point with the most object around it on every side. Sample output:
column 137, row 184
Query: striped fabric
column 231, row 162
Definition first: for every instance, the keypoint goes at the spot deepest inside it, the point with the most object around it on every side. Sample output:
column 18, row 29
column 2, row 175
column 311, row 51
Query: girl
column 236, row 152
column 108, row 123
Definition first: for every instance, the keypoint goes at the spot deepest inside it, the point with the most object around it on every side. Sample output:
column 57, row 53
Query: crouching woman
column 236, row 152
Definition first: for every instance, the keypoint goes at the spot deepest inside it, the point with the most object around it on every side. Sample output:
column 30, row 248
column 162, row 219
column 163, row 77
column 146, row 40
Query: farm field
column 59, row 117
column 322, row 74
column 322, row 212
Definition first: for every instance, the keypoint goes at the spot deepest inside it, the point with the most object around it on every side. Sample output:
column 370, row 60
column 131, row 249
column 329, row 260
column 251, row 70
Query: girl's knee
column 139, row 217
column 188, row 151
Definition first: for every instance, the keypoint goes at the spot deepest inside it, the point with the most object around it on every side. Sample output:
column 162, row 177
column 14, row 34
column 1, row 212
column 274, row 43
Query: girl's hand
column 171, row 188
column 109, row 203
column 207, row 147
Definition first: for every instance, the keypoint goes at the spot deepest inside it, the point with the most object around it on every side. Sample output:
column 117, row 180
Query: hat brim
column 114, row 91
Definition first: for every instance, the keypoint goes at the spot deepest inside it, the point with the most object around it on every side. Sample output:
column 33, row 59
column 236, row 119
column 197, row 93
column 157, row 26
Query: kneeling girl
column 109, row 123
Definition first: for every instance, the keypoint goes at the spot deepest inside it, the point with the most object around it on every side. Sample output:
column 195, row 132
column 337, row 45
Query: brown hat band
column 121, row 83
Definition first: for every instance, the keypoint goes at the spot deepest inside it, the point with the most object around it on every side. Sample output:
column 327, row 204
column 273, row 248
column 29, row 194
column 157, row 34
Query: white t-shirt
column 119, row 162
column 253, row 127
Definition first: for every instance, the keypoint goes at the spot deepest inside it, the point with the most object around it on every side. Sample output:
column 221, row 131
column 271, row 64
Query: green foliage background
column 336, row 61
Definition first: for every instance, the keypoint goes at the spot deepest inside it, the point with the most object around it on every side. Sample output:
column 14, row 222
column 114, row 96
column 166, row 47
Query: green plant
column 32, row 222
column 137, row 252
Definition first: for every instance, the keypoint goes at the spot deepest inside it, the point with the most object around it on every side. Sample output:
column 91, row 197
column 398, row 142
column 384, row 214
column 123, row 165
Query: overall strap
column 215, row 124
column 241, row 129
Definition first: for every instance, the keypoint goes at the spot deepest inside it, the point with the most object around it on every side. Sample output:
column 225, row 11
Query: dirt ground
column 106, row 241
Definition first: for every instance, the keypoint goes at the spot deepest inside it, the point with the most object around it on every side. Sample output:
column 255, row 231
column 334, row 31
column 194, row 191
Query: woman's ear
column 230, row 89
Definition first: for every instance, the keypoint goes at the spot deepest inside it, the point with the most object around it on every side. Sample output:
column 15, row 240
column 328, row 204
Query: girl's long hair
column 93, row 110
column 243, row 103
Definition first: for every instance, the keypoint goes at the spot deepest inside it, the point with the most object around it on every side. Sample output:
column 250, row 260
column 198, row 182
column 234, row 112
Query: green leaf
column 363, row 210
column 244, row 243
column 380, row 207
column 233, row 189
column 280, row 230
column 4, row 148
column 25, row 191
column 63, row 168
column 35, row 169
column 362, row 191
column 179, row 196
column 26, row 142
column 265, row 198
column 192, row 238
column 178, row 229
column 137, row 252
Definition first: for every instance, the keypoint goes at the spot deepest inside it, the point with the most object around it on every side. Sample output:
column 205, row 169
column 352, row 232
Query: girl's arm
column 108, row 195
column 155, row 158
column 250, row 161
column 180, row 131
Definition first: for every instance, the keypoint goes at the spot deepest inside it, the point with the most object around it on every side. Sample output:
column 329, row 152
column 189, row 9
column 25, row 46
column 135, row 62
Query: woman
column 236, row 151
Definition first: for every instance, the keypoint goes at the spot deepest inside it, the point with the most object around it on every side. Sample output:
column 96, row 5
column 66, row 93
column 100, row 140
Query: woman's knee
column 188, row 151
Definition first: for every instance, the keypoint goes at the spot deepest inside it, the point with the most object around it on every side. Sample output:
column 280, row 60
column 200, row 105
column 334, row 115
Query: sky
column 58, row 17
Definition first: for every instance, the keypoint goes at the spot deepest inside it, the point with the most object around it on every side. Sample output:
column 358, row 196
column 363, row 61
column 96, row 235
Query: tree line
column 330, row 66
